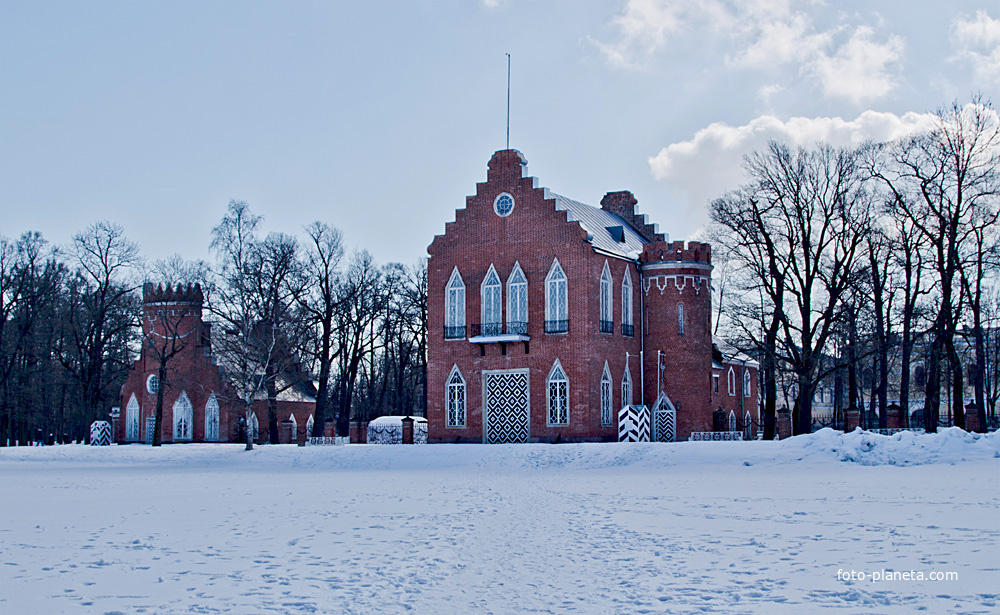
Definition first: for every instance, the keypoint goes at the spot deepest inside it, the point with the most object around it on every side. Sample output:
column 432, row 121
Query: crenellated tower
column 677, row 304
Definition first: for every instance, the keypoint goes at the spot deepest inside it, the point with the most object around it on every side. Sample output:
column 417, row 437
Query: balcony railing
column 517, row 328
column 556, row 326
column 628, row 330
column 487, row 329
column 496, row 328
column 607, row 326
column 454, row 333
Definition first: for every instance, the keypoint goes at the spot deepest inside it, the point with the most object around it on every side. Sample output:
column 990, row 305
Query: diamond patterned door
column 506, row 407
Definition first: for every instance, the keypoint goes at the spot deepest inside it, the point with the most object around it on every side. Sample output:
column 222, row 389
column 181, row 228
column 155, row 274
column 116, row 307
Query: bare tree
column 322, row 302
column 944, row 181
column 104, row 312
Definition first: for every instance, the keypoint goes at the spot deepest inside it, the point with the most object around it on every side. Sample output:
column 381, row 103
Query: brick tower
column 677, row 298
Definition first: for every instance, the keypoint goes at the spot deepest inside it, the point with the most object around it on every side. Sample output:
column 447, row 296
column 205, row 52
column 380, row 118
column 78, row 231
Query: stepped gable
column 622, row 204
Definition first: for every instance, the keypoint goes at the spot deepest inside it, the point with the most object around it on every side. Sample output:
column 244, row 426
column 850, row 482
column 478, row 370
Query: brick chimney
column 622, row 204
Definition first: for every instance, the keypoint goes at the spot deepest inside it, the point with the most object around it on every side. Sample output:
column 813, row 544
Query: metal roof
column 596, row 221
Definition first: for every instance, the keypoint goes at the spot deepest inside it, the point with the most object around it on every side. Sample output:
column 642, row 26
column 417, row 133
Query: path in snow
column 723, row 527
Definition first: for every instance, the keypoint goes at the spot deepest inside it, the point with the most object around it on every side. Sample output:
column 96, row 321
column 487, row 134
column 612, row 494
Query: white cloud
column 978, row 40
column 643, row 26
column 710, row 164
column 860, row 68
column 763, row 35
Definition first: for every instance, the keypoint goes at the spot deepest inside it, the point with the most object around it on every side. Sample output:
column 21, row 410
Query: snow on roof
column 731, row 354
column 597, row 223
column 390, row 421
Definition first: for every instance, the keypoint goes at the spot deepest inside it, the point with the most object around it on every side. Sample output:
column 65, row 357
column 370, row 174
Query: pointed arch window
column 556, row 300
column 732, row 382
column 680, row 319
column 492, row 300
column 517, row 302
column 456, row 399
column 212, row 419
column 309, row 426
column 183, row 418
column 626, row 389
column 558, row 394
column 607, row 318
column 747, row 426
column 454, row 320
column 732, row 421
column 254, row 427
column 746, row 385
column 295, row 427
column 606, row 410
column 132, row 419
column 628, row 328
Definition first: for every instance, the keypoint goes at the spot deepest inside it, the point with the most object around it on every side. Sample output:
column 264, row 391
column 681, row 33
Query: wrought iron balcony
column 607, row 326
column 486, row 329
column 628, row 330
column 556, row 326
column 454, row 333
column 517, row 328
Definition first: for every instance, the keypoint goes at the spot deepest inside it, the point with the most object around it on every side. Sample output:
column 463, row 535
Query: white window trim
column 482, row 297
column 447, row 399
column 627, row 386
column 511, row 312
column 309, row 426
column 209, row 411
column 454, row 312
column 607, row 412
column 627, row 298
column 731, row 382
column 548, row 394
column 732, row 421
column 680, row 319
column 132, row 426
column 607, row 298
column 550, row 307
column 747, row 383
column 183, row 409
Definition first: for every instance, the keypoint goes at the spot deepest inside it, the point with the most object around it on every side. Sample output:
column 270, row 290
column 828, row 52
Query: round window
column 504, row 204
column 152, row 384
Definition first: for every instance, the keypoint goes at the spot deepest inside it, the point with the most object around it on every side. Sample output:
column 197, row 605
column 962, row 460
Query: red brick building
column 200, row 404
column 547, row 316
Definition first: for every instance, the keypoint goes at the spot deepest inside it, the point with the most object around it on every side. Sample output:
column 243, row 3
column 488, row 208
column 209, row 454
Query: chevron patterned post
column 633, row 424
column 100, row 433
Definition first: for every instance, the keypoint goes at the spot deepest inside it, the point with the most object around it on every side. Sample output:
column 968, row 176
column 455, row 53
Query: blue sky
column 380, row 117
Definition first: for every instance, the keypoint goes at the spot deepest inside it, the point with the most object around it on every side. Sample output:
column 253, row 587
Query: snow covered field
column 726, row 527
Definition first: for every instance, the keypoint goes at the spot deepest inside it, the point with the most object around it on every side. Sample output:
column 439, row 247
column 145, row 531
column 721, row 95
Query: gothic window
column 607, row 324
column 456, row 399
column 183, row 418
column 627, row 304
column 626, row 389
column 454, row 323
column 132, row 419
column 746, row 385
column 606, row 411
column 491, row 291
column 747, row 425
column 732, row 382
column 517, row 302
column 680, row 319
column 254, row 426
column 556, row 300
column 309, row 426
column 732, row 421
column 295, row 427
column 212, row 419
column 558, row 387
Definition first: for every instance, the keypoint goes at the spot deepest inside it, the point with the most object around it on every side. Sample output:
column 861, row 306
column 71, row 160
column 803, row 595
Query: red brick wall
column 532, row 235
